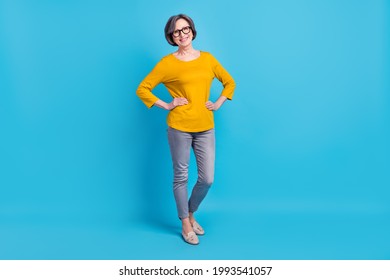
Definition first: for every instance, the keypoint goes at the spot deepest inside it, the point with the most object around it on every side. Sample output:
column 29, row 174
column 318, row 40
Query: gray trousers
column 203, row 144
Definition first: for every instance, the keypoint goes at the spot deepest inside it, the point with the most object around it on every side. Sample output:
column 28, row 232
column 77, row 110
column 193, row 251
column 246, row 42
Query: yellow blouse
column 189, row 79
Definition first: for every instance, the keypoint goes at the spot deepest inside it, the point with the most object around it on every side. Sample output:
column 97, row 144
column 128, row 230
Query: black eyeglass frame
column 178, row 31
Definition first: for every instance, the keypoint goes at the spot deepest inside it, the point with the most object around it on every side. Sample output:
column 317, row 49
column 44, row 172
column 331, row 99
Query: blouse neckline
column 186, row 61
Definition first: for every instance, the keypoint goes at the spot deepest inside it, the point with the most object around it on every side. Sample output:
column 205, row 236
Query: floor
column 234, row 233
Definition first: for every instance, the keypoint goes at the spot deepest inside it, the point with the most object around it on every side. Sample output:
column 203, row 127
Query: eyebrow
column 181, row 28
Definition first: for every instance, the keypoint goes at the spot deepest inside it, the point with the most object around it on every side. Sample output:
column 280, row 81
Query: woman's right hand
column 177, row 101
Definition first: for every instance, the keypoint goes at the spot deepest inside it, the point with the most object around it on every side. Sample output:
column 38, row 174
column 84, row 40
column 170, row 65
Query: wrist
column 170, row 106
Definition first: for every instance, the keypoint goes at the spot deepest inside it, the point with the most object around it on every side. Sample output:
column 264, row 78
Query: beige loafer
column 190, row 238
column 197, row 228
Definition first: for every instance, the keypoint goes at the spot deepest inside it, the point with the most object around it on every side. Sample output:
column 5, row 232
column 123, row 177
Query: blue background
column 303, row 154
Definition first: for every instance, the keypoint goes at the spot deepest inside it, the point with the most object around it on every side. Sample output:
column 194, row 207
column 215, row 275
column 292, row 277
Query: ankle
column 191, row 218
column 186, row 225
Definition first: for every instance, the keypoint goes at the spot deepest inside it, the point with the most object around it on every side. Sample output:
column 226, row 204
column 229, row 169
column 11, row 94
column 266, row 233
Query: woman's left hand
column 212, row 106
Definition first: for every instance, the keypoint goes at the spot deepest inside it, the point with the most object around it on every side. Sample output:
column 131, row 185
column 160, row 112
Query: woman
column 188, row 74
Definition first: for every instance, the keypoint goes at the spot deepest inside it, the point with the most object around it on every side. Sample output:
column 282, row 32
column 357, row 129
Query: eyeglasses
column 185, row 30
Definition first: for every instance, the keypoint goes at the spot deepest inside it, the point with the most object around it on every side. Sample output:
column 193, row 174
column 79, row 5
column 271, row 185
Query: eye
column 186, row 29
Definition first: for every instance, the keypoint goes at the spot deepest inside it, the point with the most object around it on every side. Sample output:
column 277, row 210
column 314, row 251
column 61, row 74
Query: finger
column 181, row 100
column 177, row 101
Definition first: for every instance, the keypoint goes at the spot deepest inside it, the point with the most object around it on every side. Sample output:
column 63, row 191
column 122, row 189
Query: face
column 183, row 40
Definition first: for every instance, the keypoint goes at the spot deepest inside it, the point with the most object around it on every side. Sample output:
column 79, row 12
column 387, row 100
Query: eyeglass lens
column 185, row 30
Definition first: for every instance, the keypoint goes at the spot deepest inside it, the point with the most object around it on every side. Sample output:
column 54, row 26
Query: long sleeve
column 144, row 90
column 224, row 77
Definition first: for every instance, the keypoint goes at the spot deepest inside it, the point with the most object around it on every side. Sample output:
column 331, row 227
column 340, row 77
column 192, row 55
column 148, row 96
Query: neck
column 185, row 50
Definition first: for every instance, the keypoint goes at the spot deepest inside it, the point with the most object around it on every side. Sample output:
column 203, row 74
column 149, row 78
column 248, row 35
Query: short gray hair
column 171, row 25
